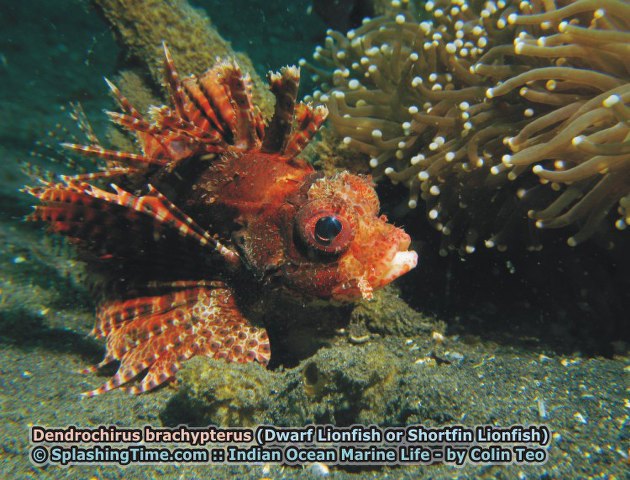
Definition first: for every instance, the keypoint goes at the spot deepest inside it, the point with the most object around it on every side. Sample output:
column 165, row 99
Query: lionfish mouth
column 393, row 262
column 396, row 262
column 401, row 264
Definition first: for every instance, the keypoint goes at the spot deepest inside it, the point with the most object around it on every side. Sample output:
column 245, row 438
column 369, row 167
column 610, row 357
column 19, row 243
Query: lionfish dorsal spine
column 308, row 121
column 284, row 85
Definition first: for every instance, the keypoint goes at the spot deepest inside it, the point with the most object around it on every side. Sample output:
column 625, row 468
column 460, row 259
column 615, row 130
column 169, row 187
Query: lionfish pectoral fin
column 156, row 334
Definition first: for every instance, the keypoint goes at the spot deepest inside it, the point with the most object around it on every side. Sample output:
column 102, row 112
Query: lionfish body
column 215, row 196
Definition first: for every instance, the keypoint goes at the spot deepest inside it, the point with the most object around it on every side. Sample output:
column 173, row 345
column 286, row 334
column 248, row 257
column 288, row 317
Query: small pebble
column 454, row 357
column 319, row 469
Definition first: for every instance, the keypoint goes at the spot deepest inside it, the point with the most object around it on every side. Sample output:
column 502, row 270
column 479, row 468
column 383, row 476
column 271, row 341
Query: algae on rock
column 388, row 314
column 229, row 394
column 337, row 385
column 142, row 25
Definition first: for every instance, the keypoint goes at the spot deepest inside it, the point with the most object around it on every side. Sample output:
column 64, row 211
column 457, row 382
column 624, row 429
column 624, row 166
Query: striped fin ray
column 156, row 206
column 245, row 129
column 110, row 317
column 157, row 339
column 122, row 101
column 180, row 129
column 102, row 219
column 213, row 86
column 100, row 175
column 284, row 86
column 153, row 146
column 214, row 112
column 113, row 155
column 132, row 123
column 100, row 226
column 174, row 83
column 308, row 122
column 164, row 369
column 162, row 210
column 78, row 115
column 206, row 118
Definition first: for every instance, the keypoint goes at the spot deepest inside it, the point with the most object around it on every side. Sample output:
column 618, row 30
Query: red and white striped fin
column 132, row 123
column 78, row 115
column 122, row 101
column 108, row 359
column 205, row 117
column 308, row 122
column 104, row 174
column 180, row 129
column 284, row 86
column 105, row 228
column 163, row 370
column 174, row 83
column 68, row 210
column 218, row 103
column 159, row 339
column 111, row 316
column 156, row 206
column 213, row 84
column 86, row 213
column 229, row 255
column 160, row 208
column 112, row 155
column 239, row 87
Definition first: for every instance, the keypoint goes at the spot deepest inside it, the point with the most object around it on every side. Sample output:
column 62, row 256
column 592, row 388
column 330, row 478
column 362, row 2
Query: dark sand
column 55, row 52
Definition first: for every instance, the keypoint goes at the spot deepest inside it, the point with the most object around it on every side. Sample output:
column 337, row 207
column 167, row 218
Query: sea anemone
column 491, row 112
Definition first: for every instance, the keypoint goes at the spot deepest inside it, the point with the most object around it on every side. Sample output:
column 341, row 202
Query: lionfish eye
column 327, row 228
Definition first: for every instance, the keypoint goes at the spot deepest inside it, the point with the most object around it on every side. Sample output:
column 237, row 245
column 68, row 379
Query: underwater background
column 492, row 337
